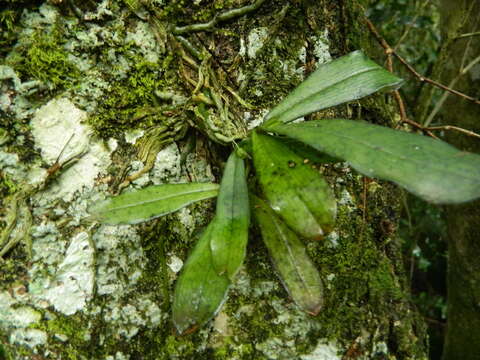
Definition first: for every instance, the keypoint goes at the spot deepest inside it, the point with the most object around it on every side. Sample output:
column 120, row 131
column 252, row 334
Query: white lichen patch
column 255, row 41
column 321, row 48
column 14, row 93
column 220, row 324
column 145, row 41
column 254, row 121
column 119, row 256
column 72, row 285
column 167, row 166
column 175, row 263
column 10, row 165
column 277, row 348
column 132, row 136
column 103, row 10
column 118, row 356
column 18, row 319
column 47, row 15
column 186, row 219
column 294, row 67
column 288, row 318
column 47, row 247
column 28, row 337
column 14, row 316
column 332, row 239
column 264, row 287
column 131, row 317
column 135, row 166
column 120, row 262
column 345, row 199
column 60, row 134
column 324, row 350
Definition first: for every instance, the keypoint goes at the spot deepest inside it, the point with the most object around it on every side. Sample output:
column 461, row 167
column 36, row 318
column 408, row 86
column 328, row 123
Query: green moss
column 3, row 353
column 129, row 101
column 232, row 350
column 43, row 58
column 76, row 346
column 7, row 185
column 9, row 22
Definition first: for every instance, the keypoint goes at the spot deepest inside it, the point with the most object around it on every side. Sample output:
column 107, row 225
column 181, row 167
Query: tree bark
column 103, row 292
column 463, row 316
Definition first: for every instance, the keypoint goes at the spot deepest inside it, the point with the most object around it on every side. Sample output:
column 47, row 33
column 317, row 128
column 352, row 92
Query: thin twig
column 454, row 128
column 433, row 82
column 421, row 128
column 463, row 70
column 389, row 50
column 468, row 35
column 444, row 97
column 401, row 106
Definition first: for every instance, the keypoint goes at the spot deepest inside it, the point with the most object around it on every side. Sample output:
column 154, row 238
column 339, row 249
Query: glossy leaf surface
column 429, row 168
column 151, row 202
column 230, row 232
column 199, row 291
column 297, row 272
column 295, row 191
column 347, row 78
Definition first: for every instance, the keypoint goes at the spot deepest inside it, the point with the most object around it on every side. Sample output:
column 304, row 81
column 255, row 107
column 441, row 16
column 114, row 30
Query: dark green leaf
column 151, row 202
column 307, row 152
column 294, row 190
column 230, row 233
column 199, row 291
column 348, row 78
column 297, row 272
column 429, row 168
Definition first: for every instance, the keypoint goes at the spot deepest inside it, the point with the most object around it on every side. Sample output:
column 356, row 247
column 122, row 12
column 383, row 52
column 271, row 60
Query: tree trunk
column 463, row 316
column 104, row 74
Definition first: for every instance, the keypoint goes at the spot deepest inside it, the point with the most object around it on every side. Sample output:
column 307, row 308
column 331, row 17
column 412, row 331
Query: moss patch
column 44, row 58
column 129, row 102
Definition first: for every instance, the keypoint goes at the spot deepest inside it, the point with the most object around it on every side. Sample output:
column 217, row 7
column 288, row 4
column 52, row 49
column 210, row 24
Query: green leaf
column 347, row 78
column 200, row 291
column 294, row 190
column 230, row 232
column 297, row 272
column 151, row 202
column 428, row 168
column 307, row 152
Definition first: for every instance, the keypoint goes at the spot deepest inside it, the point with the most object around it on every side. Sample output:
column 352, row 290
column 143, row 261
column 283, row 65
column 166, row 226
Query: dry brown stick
column 433, row 82
column 440, row 102
column 401, row 106
column 421, row 128
column 390, row 51
column 454, row 128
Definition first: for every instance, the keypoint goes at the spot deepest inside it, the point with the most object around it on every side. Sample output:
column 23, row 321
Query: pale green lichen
column 71, row 286
column 321, row 48
column 256, row 39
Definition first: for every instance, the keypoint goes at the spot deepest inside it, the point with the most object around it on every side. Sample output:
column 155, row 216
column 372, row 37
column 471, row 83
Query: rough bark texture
column 103, row 292
column 463, row 331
